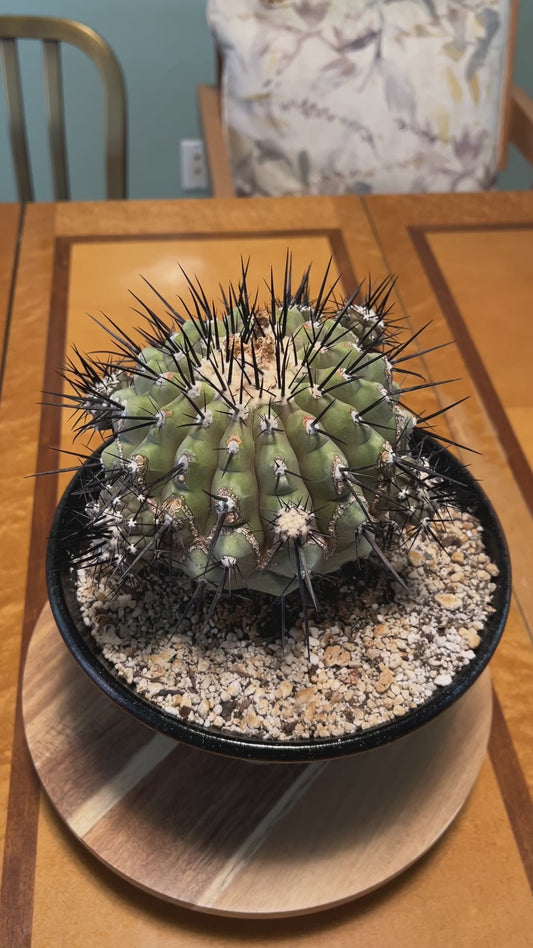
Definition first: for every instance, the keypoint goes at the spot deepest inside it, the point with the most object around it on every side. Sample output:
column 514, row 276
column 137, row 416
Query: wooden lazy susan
column 231, row 836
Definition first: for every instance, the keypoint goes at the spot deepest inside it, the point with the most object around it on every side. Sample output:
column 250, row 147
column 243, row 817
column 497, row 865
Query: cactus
column 254, row 447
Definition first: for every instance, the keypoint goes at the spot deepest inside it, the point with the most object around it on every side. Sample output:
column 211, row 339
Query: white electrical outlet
column 193, row 167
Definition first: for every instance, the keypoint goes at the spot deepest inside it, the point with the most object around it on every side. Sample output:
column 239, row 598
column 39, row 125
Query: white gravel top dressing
column 374, row 654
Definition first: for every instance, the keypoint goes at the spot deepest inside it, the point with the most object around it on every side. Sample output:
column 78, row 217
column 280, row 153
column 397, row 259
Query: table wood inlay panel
column 472, row 888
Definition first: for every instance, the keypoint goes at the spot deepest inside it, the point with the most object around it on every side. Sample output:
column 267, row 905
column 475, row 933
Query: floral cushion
column 336, row 96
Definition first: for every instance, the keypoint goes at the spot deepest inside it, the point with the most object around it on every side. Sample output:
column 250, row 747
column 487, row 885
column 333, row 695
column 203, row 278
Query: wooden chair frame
column 53, row 31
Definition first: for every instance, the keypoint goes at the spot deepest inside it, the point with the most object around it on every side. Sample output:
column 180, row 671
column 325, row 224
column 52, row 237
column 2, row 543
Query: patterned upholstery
column 336, row 96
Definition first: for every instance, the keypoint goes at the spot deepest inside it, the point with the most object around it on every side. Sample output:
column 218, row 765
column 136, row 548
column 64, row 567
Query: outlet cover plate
column 193, row 164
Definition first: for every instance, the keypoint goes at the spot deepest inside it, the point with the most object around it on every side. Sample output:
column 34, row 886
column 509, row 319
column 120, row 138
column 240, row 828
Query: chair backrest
column 52, row 31
column 344, row 95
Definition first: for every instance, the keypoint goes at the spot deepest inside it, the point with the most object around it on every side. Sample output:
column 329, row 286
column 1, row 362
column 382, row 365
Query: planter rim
column 469, row 496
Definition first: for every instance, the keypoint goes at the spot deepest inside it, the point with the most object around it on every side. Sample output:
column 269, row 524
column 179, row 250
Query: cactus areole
column 253, row 445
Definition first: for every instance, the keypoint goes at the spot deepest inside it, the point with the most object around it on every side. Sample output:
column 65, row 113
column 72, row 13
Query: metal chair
column 52, row 32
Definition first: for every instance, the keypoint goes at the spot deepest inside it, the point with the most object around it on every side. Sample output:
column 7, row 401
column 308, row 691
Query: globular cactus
column 253, row 447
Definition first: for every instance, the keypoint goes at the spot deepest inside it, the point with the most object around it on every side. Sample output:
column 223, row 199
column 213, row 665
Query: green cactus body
column 254, row 447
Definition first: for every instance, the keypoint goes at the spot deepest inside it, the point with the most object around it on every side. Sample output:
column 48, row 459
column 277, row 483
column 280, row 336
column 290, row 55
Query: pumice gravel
column 373, row 652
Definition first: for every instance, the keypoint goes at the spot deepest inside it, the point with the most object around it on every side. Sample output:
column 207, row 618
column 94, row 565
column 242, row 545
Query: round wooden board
column 232, row 836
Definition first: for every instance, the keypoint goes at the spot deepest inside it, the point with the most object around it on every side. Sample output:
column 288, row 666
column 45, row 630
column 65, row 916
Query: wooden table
column 464, row 263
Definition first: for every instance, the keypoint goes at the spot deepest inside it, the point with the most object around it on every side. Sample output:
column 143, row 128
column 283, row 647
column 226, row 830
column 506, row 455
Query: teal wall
column 165, row 51
column 519, row 173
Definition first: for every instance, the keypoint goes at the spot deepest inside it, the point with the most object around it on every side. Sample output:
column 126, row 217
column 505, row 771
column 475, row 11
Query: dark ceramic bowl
column 468, row 496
